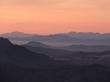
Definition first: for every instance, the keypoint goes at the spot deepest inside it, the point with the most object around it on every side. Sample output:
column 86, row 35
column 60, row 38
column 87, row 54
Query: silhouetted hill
column 21, row 56
column 87, row 48
column 37, row 44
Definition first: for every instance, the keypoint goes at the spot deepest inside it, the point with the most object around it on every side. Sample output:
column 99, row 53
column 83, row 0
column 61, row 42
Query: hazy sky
column 54, row 16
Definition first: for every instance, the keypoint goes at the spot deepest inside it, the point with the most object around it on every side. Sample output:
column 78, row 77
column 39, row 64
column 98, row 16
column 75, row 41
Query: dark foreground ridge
column 91, row 73
column 21, row 56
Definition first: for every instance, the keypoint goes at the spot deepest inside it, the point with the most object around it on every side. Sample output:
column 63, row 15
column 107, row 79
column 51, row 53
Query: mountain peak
column 37, row 44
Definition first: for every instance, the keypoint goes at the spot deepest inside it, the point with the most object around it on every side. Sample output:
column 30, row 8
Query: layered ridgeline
column 17, row 64
column 75, row 54
column 39, row 47
column 60, row 39
column 21, row 56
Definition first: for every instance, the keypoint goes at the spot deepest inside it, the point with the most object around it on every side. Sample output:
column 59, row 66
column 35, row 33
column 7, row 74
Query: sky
column 54, row 16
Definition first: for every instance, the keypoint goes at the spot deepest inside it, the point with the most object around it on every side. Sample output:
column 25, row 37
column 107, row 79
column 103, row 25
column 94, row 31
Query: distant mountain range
column 88, row 35
column 83, row 35
column 17, row 35
column 61, row 39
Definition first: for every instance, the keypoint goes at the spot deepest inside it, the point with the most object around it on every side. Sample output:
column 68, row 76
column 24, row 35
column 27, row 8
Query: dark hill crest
column 37, row 44
column 23, row 57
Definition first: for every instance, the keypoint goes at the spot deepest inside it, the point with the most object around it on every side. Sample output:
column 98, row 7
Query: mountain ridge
column 17, row 34
column 36, row 44
column 23, row 57
column 66, row 38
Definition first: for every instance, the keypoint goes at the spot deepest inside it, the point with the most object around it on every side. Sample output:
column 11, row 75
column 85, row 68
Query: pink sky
column 54, row 16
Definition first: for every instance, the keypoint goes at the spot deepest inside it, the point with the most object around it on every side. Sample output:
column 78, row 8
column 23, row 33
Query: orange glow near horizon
column 57, row 16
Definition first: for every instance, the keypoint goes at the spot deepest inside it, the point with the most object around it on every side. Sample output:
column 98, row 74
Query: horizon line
column 54, row 33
